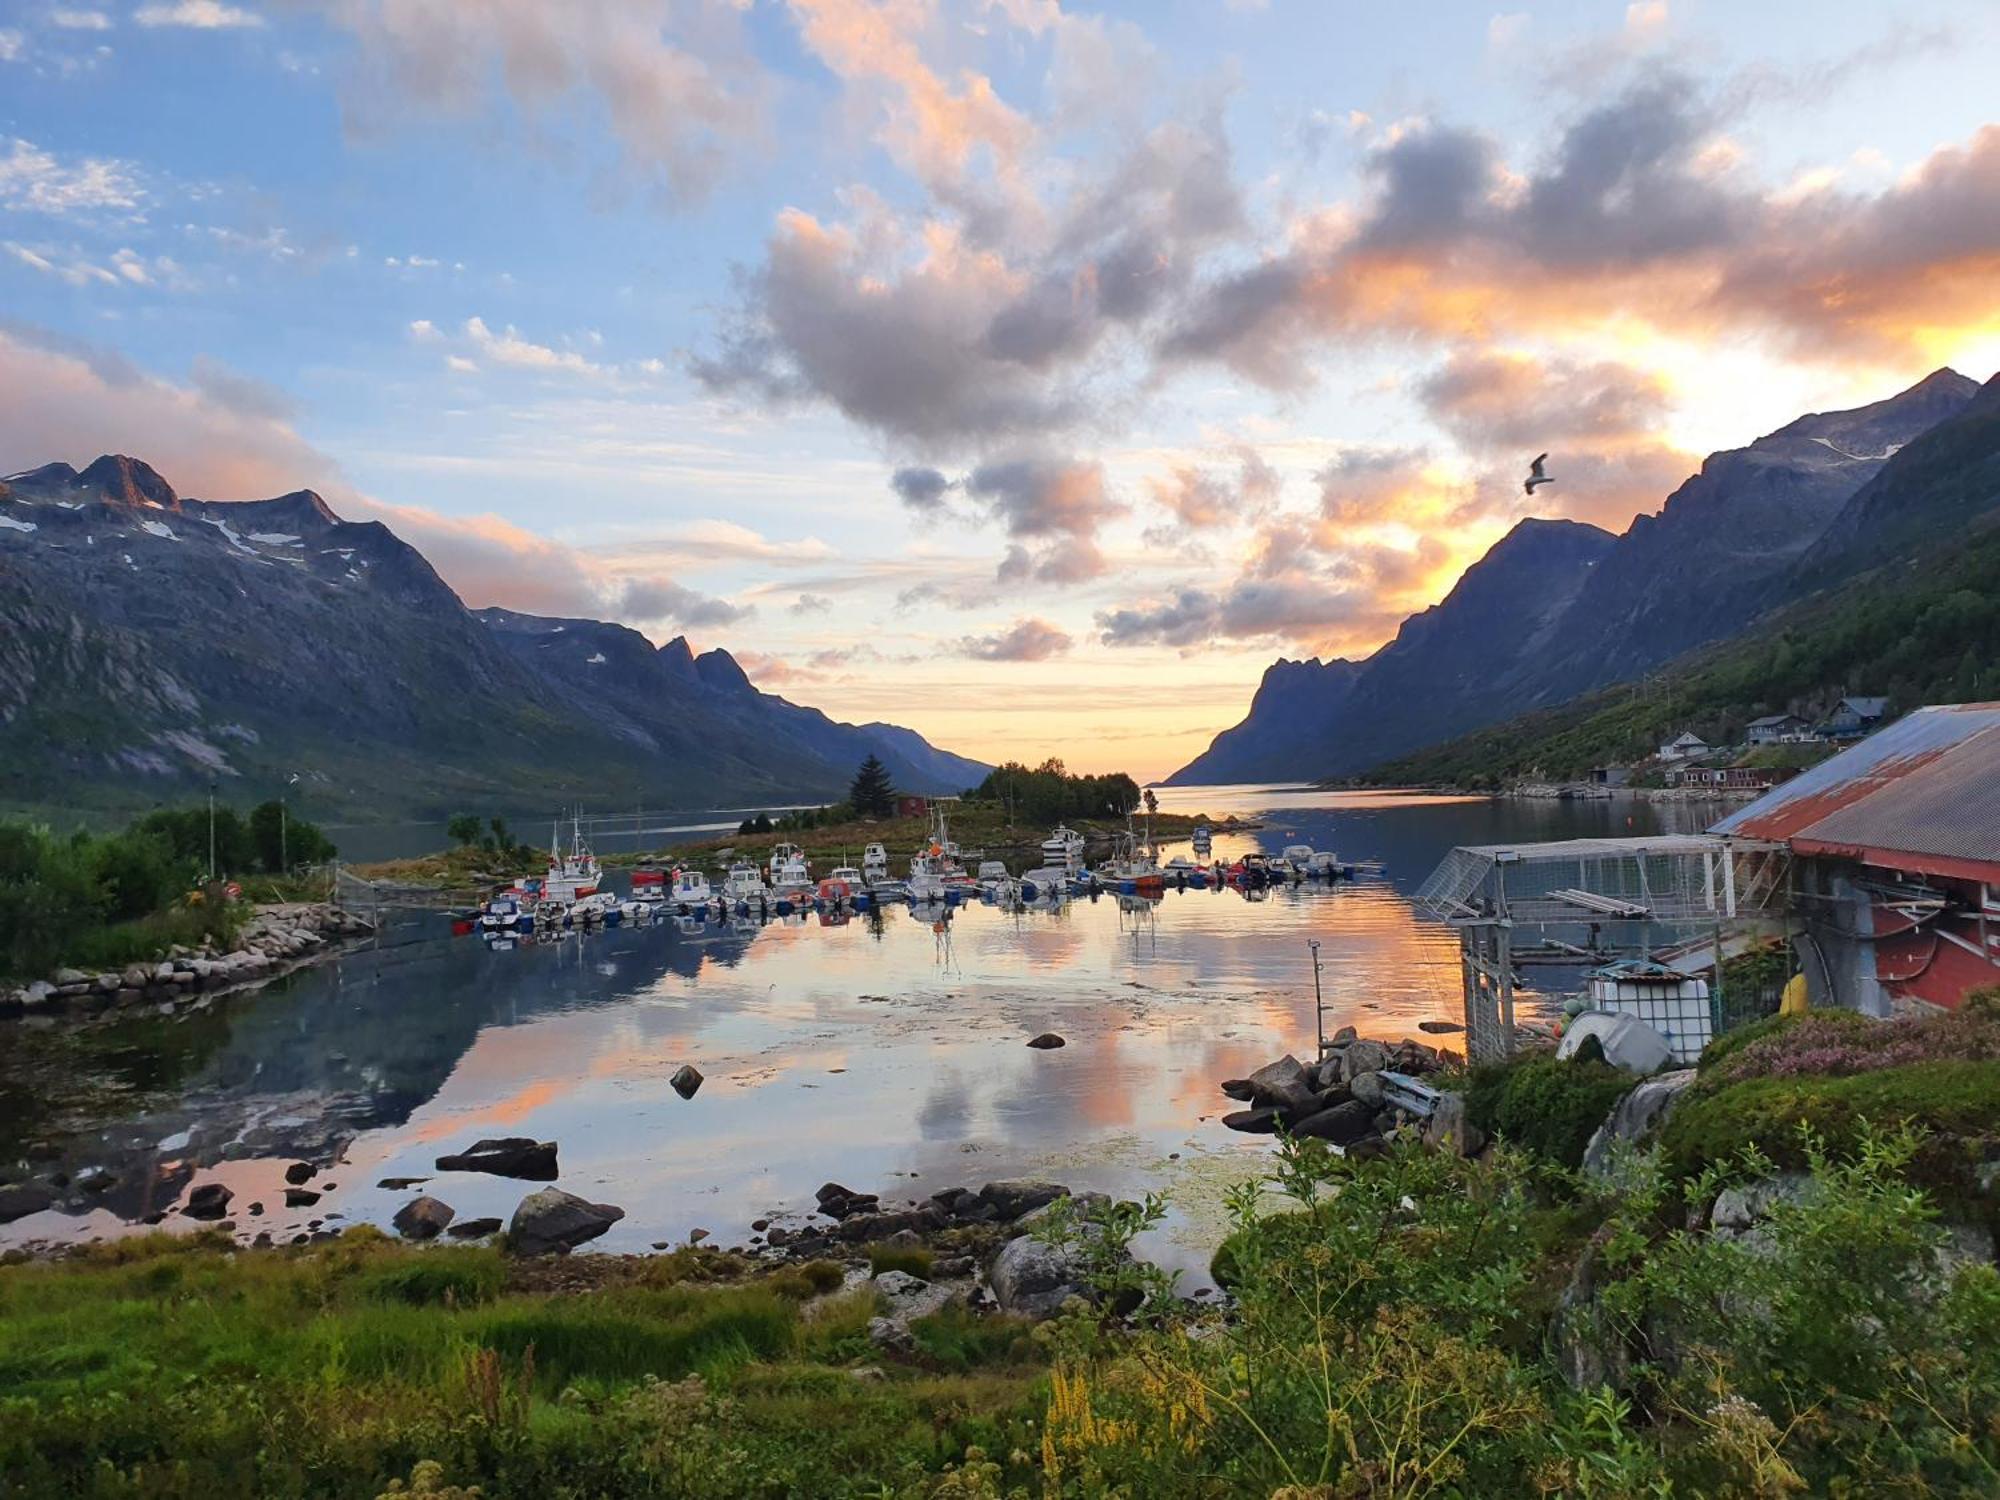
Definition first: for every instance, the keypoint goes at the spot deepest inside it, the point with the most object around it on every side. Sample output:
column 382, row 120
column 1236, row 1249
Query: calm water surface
column 884, row 1053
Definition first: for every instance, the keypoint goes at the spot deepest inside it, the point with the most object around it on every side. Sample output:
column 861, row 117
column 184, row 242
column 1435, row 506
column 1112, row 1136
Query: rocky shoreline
column 1356, row 1096
column 277, row 940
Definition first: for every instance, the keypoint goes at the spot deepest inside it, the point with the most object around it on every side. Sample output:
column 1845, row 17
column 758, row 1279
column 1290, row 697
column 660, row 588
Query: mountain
column 1445, row 664
column 1550, row 615
column 1901, row 600
column 151, row 644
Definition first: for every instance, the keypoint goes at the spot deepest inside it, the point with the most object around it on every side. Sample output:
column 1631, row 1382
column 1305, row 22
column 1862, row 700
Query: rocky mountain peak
column 128, row 481
column 677, row 656
column 719, row 670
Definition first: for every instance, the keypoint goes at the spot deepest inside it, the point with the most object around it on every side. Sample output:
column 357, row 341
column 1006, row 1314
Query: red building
column 1895, row 849
column 912, row 807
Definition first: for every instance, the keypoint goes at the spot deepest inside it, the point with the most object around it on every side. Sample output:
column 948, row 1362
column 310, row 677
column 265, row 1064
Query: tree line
column 1049, row 793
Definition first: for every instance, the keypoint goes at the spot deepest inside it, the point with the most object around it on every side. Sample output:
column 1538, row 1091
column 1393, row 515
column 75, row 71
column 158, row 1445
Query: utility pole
column 211, row 833
column 1319, row 1005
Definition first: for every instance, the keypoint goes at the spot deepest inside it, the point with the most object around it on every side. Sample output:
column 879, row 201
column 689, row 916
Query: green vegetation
column 1050, row 794
column 871, row 794
column 914, row 1259
column 1921, row 631
column 1547, row 1107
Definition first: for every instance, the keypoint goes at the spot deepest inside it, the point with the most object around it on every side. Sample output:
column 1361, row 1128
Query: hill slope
column 151, row 644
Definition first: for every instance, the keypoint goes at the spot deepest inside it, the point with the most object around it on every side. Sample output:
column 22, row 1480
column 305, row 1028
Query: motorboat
column 1202, row 838
column 992, row 873
column 505, row 913
column 790, row 873
column 1064, row 847
column 838, row 888
column 874, row 864
column 928, row 878
column 649, row 884
column 1298, row 856
column 744, row 884
column 690, row 888
column 1325, row 863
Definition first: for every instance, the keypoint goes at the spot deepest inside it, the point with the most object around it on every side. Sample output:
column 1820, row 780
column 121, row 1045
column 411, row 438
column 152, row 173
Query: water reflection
column 885, row 1048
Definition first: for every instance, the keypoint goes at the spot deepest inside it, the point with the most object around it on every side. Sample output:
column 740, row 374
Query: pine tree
column 871, row 795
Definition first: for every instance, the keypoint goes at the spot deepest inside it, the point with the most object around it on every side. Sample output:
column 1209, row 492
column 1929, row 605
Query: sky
column 1028, row 373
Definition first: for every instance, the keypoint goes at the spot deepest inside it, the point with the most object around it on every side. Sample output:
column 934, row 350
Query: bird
column 1536, row 476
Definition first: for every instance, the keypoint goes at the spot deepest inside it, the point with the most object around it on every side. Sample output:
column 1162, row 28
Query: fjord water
column 886, row 1053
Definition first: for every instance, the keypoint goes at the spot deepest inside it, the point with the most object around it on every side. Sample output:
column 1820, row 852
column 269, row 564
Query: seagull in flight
column 1536, row 475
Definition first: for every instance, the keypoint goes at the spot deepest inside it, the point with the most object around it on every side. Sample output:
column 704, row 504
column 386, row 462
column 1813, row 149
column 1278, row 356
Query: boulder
column 1738, row 1209
column 1362, row 1057
column 298, row 1197
column 1238, row 1089
column 135, row 978
column 552, row 1222
column 1034, row 1280
column 1635, row 1120
column 209, row 1201
column 837, row 1202
column 686, row 1080
column 299, row 1173
column 473, row 1229
column 870, row 1228
column 1345, row 1034
column 1047, row 1041
column 19, row 1199
column 1341, row 1125
column 1016, row 1196
column 71, row 976
column 1367, row 1087
column 1448, row 1129
column 1589, row 1351
column 424, row 1218
column 508, row 1156
column 1263, row 1121
column 398, row 1184
column 1283, row 1083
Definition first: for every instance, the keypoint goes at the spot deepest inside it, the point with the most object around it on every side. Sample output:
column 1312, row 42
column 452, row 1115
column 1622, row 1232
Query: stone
column 71, row 976
column 1589, row 1351
column 1033, row 1280
column 552, row 1222
column 400, row 1184
column 1449, row 1129
column 507, row 1156
column 1262, row 1121
column 1345, row 1034
column 696, row 1236
column 1047, row 1041
column 760, row 1225
column 778, row 1236
column 1635, row 1120
column 1015, row 1196
column 209, row 1201
column 1362, row 1057
column 905, row 1239
column 1340, row 1125
column 95, row 1180
column 870, row 1228
column 686, row 1080
column 892, row 1335
column 1737, row 1209
column 423, row 1218
column 1239, row 1089
column 299, row 1173
column 837, row 1202
column 1367, row 1087
column 298, row 1197
column 135, row 978
column 1283, row 1083
column 18, row 1200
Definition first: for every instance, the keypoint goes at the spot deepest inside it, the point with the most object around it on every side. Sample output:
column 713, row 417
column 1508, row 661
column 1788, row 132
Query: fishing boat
column 649, row 884
column 838, row 888
column 1298, row 856
column 1064, row 847
column 928, row 881
column 1325, row 863
column 505, row 912
column 991, row 873
column 1202, row 838
column 571, row 876
column 874, row 864
column 788, row 867
column 1132, row 866
column 690, row 888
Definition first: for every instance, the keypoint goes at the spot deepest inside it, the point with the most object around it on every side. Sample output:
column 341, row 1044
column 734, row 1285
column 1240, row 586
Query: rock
column 1239, row 1089
column 1345, row 1034
column 837, row 1202
column 1047, row 1041
column 892, row 1335
column 870, row 1228
column 696, row 1236
column 778, row 1237
column 95, row 1180
column 1635, row 1120
column 298, row 1197
column 905, row 1239
column 686, row 1080
column 424, row 1218
column 1015, row 1196
column 1283, row 1083
column 135, row 978
column 760, row 1225
column 1449, row 1129
column 71, row 976
column 1034, row 1280
column 18, row 1200
column 507, row 1156
column 1737, row 1209
column 473, row 1229
column 1362, row 1057
column 1262, row 1121
column 552, row 1222
column 1367, row 1087
column 1340, row 1125
column 867, row 1374
column 262, row 1241
column 209, row 1201
column 1082, row 1205
column 299, row 1173
column 400, row 1184
column 953, row 1268
column 1589, row 1351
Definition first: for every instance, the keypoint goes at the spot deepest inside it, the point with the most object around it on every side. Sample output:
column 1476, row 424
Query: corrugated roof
column 1776, row 719
column 1928, row 784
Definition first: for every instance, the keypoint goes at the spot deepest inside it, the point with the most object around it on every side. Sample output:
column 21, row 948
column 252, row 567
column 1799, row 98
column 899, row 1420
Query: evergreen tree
column 871, row 795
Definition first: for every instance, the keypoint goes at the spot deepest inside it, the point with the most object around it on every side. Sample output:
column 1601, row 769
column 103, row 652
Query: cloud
column 199, row 15
column 1036, row 495
column 1025, row 640
column 664, row 601
column 79, row 20
column 809, row 604
column 507, row 347
column 13, row 45
column 1363, row 486
column 1201, row 499
column 922, row 489
column 1490, row 398
column 675, row 80
column 34, row 180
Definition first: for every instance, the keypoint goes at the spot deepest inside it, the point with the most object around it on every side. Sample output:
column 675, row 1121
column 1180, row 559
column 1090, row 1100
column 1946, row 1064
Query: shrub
column 914, row 1259
column 1545, row 1105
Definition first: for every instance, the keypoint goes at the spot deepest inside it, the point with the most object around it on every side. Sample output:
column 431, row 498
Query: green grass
column 914, row 1259
column 1546, row 1106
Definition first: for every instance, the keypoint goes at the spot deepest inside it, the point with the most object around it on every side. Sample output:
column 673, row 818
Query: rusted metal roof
column 1928, row 784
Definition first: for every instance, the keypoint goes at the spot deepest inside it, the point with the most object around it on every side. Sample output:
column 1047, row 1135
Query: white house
column 1774, row 729
column 1686, row 745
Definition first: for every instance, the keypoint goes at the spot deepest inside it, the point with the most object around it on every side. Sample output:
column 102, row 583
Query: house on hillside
column 1895, row 854
column 1730, row 778
column 1853, row 717
column 1775, row 729
column 1686, row 745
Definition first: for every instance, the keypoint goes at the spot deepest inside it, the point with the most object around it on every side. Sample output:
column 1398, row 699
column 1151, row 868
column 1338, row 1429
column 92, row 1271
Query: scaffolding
column 1684, row 900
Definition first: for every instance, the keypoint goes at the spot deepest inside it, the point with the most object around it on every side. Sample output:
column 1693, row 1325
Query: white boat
column 1064, row 847
column 992, row 873
column 504, row 913
column 1324, row 862
column 1298, row 856
column 744, row 883
column 927, row 878
column 874, row 864
column 1180, row 864
column 574, row 875
column 690, row 888
column 1202, row 838
column 789, row 870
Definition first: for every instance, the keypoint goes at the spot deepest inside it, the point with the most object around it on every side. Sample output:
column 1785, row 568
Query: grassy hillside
column 1924, row 630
